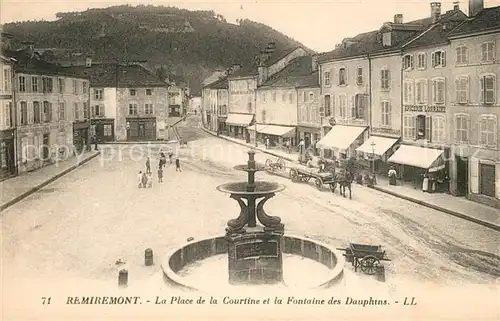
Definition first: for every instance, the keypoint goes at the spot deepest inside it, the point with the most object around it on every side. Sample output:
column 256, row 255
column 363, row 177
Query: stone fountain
column 254, row 242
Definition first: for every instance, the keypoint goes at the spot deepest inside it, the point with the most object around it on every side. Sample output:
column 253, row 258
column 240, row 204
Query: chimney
column 456, row 6
column 435, row 11
column 398, row 19
column 88, row 62
column 475, row 6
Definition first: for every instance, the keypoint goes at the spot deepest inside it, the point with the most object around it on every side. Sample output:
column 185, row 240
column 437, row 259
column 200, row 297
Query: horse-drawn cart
column 367, row 257
column 274, row 166
column 304, row 174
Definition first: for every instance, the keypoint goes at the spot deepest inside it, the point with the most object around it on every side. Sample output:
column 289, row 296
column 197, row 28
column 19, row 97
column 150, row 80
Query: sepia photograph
column 250, row 160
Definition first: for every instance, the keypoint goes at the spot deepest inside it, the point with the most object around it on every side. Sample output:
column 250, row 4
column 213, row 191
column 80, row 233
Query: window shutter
column 457, row 90
column 474, row 175
column 361, row 107
column 497, row 181
column 411, row 61
column 481, row 90
column 434, row 91
column 337, row 76
column 467, row 90
column 411, row 95
column 433, row 59
column 428, row 128
column 403, row 62
column 443, row 58
column 425, row 91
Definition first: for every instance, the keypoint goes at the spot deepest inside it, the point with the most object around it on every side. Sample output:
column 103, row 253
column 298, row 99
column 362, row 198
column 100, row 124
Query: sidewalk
column 456, row 206
column 20, row 187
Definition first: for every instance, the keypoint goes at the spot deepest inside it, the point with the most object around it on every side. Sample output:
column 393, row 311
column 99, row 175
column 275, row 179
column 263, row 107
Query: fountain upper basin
column 261, row 188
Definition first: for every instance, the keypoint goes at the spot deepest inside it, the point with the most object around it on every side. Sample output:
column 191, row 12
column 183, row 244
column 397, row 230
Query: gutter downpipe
column 370, row 90
column 255, row 104
column 14, row 118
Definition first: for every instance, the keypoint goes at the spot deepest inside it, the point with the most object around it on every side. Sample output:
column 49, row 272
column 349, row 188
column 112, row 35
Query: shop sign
column 425, row 109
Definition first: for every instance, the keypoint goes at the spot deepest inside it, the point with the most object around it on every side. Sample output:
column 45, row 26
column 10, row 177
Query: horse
column 344, row 180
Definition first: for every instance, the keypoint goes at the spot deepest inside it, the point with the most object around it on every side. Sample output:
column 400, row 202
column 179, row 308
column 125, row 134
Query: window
column 9, row 114
column 386, row 114
column 487, row 89
column 462, row 56
column 438, row 91
column 132, row 109
column 304, row 96
column 462, row 90
column 149, row 92
column 7, row 79
column 358, row 111
column 34, row 84
column 108, row 130
column 85, row 110
column 311, row 97
column 487, row 52
column 359, row 76
column 283, row 97
column 421, row 91
column 407, row 62
column 36, row 112
column 328, row 107
column 249, row 106
column 61, row 85
column 148, row 109
column 343, row 106
column 421, row 61
column 438, row 59
column 409, row 125
column 132, row 92
column 76, row 111
column 47, row 112
column 384, row 78
column 326, row 77
column 423, row 125
column 85, row 87
column 22, row 84
column 24, row 113
column 98, row 94
column 386, row 39
column 62, row 111
column 462, row 129
column 342, row 76
column 274, row 96
column 487, row 131
column 290, row 98
column 263, row 98
column 263, row 115
column 75, row 87
column 438, row 129
column 408, row 92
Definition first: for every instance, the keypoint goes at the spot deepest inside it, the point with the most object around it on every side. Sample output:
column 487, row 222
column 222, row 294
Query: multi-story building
column 52, row 111
column 178, row 94
column 244, row 82
column 473, row 115
column 128, row 102
column 425, row 77
column 7, row 120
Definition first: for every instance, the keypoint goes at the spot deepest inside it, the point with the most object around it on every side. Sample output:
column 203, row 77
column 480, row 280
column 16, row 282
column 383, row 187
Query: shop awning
column 239, row 119
column 380, row 145
column 340, row 137
column 259, row 127
column 274, row 130
column 426, row 158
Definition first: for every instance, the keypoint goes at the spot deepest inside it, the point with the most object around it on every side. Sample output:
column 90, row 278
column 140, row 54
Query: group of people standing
column 145, row 179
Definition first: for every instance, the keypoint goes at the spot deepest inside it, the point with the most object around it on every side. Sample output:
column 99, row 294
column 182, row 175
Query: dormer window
column 386, row 39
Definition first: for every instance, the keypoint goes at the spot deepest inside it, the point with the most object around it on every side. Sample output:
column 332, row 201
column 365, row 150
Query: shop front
column 310, row 136
column 341, row 141
column 7, row 156
column 103, row 129
column 141, row 129
column 237, row 125
column 222, row 128
column 81, row 139
column 484, row 177
column 375, row 152
column 278, row 135
column 425, row 168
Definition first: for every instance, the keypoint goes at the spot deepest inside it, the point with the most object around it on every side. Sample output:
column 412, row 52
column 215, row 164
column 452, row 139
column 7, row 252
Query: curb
column 153, row 142
column 442, row 209
column 47, row 182
column 411, row 199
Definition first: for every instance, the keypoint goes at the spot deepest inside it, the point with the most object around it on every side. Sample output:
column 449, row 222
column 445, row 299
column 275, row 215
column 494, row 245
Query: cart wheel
column 369, row 265
column 319, row 183
column 281, row 163
column 333, row 186
column 306, row 179
column 269, row 163
column 293, row 175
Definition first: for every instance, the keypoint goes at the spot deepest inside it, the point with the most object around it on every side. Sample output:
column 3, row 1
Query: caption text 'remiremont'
column 229, row 300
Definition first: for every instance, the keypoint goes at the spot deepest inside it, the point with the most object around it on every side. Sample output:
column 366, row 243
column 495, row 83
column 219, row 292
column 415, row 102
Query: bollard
column 123, row 278
column 148, row 257
column 380, row 273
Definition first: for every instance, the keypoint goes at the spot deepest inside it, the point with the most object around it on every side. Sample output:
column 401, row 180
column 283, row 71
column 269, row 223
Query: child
column 177, row 165
column 160, row 175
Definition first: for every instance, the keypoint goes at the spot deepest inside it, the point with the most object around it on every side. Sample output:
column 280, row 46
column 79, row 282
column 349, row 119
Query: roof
column 177, row 79
column 245, row 71
column 438, row 33
column 218, row 84
column 129, row 76
column 486, row 19
column 369, row 42
column 298, row 73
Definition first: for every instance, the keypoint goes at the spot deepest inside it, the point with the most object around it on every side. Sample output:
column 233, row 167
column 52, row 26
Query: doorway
column 45, row 147
column 462, row 175
column 487, row 179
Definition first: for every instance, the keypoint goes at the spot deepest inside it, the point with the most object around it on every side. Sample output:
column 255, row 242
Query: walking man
column 178, row 165
column 148, row 166
column 160, row 175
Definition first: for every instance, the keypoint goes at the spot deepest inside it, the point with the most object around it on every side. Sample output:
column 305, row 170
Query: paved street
column 79, row 226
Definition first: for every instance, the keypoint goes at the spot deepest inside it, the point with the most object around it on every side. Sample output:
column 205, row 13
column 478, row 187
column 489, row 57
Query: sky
column 318, row 24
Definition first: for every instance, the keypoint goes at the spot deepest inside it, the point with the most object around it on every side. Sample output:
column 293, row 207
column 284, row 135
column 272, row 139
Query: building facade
column 474, row 111
column 308, row 116
column 7, row 120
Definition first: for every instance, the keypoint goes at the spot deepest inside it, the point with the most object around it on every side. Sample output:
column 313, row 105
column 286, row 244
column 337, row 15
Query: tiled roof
column 369, row 43
column 129, row 76
column 176, row 79
column 487, row 19
column 219, row 84
column 297, row 74
column 245, row 71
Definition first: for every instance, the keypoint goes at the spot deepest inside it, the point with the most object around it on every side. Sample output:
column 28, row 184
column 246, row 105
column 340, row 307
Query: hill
column 188, row 43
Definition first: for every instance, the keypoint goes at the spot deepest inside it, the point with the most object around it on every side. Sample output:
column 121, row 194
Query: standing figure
column 160, row 175
column 144, row 180
column 178, row 165
column 148, row 166
column 170, row 155
column 267, row 142
column 149, row 180
column 425, row 183
column 392, row 176
column 139, row 179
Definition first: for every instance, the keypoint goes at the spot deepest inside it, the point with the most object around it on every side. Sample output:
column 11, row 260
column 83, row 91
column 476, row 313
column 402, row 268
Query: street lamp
column 373, row 144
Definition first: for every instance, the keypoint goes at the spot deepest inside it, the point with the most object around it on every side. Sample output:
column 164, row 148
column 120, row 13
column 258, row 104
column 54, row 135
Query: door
column 487, row 179
column 7, row 167
column 142, row 130
column 462, row 175
column 45, row 147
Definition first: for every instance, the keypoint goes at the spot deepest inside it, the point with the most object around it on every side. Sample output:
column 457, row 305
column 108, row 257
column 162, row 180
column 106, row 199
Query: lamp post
column 373, row 144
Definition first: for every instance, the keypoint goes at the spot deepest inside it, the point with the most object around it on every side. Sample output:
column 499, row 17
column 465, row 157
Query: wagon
column 367, row 257
column 273, row 166
column 305, row 174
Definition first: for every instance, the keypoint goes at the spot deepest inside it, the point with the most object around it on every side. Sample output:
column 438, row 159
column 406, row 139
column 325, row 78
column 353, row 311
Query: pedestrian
column 267, row 142
column 139, row 179
column 95, row 142
column 392, row 176
column 144, row 180
column 162, row 161
column 149, row 180
column 425, row 183
column 148, row 166
column 178, row 165
column 170, row 155
column 288, row 146
column 160, row 175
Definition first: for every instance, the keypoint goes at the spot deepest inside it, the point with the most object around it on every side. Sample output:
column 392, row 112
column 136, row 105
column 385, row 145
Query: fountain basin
column 261, row 188
column 197, row 251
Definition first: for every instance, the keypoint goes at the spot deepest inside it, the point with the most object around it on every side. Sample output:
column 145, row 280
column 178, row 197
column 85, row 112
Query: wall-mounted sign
column 256, row 249
column 388, row 131
column 425, row 109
